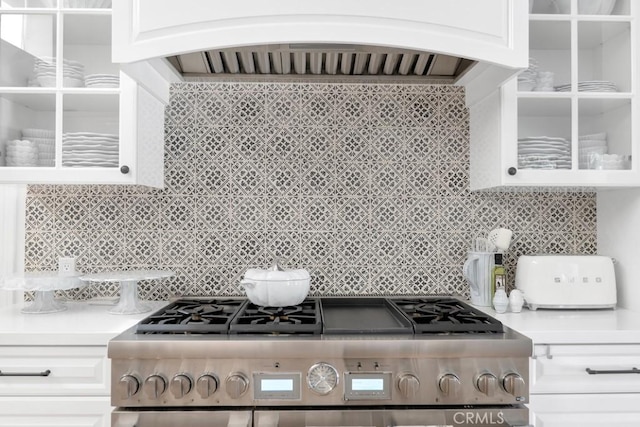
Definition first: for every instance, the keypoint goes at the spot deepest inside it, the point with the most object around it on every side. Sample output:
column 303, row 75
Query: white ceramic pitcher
column 477, row 270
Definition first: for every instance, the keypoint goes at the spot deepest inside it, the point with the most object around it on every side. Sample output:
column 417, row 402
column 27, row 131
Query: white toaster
column 567, row 281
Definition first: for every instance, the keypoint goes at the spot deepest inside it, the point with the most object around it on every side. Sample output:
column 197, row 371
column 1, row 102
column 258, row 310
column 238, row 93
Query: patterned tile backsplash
column 365, row 185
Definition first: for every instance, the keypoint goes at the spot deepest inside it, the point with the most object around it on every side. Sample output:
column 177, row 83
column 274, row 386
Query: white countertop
column 83, row 323
column 89, row 323
column 543, row 326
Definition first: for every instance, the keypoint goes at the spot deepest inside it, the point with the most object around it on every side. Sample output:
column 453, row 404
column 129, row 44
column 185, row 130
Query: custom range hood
column 475, row 43
column 316, row 59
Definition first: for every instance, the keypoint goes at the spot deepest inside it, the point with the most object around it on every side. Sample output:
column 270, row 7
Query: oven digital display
column 272, row 384
column 276, row 386
column 365, row 384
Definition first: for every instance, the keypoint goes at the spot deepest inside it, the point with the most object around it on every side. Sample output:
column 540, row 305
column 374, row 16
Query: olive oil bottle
column 498, row 275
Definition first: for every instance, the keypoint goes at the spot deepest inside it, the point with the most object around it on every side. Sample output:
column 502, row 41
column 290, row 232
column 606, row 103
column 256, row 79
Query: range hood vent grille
column 320, row 59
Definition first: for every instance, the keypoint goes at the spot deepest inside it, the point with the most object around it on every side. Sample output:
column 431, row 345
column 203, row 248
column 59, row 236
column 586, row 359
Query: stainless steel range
column 327, row 362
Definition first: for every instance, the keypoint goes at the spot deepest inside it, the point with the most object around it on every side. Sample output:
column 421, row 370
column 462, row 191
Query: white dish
column 89, row 146
column 106, row 135
column 90, row 164
column 47, row 81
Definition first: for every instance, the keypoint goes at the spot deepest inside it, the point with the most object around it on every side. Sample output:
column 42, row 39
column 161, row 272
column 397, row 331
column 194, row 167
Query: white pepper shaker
column 516, row 300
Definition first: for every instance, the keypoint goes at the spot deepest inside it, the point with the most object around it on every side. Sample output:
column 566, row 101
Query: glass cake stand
column 129, row 302
column 43, row 284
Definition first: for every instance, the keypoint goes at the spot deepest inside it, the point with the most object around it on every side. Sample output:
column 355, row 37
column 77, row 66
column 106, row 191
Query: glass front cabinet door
column 67, row 113
column 570, row 119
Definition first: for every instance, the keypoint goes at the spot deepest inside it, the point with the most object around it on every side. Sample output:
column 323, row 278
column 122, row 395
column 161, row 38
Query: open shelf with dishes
column 63, row 107
column 570, row 119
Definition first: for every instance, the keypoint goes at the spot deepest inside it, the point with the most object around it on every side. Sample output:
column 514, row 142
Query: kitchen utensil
column 477, row 270
column 500, row 238
column 276, row 287
column 481, row 244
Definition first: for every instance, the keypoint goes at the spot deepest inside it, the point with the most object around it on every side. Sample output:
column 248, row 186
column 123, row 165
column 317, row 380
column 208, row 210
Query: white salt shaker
column 516, row 301
column 500, row 301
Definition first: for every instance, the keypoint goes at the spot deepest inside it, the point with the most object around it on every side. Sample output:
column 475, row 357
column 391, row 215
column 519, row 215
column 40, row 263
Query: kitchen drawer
column 55, row 411
column 563, row 369
column 73, row 371
column 585, row 410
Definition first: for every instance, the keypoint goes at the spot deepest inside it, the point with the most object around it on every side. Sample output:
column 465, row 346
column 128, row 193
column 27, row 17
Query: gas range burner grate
column 447, row 315
column 192, row 316
column 302, row 319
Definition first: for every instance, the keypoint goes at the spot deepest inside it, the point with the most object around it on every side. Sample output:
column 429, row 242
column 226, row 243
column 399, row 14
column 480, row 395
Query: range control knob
column 449, row 385
column 206, row 385
column 128, row 386
column 514, row 384
column 486, row 383
column 154, row 386
column 408, row 385
column 180, row 385
column 237, row 385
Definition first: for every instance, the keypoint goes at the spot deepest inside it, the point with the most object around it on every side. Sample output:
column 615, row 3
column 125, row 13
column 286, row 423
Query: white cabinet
column 55, row 412
column 68, row 114
column 581, row 127
column 591, row 410
column 54, row 386
column 585, row 385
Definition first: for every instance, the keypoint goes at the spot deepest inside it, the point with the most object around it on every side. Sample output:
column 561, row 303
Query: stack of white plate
column 102, row 80
column 544, row 152
column 45, row 140
column 21, row 153
column 44, row 70
column 87, row 3
column 528, row 78
column 590, row 86
column 88, row 149
column 590, row 148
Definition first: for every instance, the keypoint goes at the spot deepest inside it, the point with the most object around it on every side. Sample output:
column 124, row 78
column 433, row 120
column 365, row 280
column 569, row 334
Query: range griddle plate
column 363, row 316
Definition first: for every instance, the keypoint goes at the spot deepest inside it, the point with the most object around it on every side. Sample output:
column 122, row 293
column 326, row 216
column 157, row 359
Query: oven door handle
column 240, row 419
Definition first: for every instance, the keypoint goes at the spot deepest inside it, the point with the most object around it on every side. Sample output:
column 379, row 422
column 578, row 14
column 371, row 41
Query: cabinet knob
column 512, row 171
column 124, row 169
